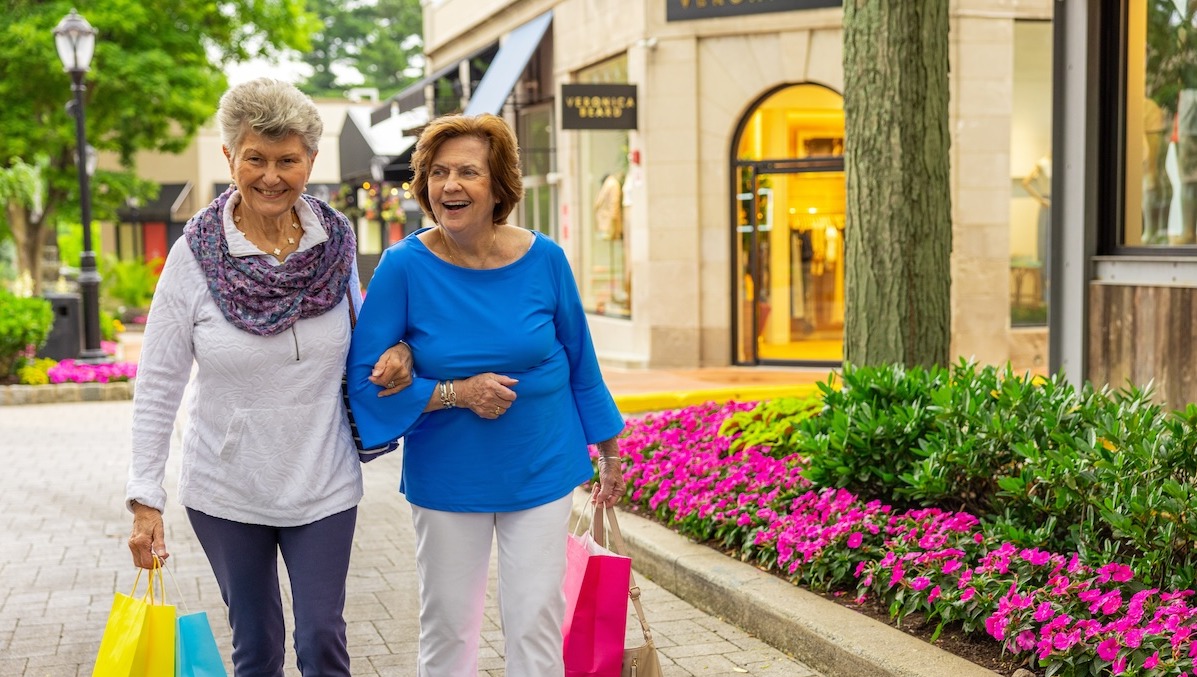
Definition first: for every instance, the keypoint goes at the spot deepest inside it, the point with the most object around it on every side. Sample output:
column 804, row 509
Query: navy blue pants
column 244, row 558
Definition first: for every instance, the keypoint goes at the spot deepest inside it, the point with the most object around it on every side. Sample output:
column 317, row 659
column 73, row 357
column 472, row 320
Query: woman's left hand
column 392, row 371
column 610, row 472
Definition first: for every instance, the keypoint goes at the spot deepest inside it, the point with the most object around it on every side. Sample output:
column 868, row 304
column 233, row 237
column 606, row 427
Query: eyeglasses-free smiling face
column 270, row 175
column 459, row 184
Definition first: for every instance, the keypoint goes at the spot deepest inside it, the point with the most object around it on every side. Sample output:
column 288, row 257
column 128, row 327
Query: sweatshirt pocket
column 267, row 433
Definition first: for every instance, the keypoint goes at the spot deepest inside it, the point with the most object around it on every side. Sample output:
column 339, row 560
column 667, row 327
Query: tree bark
column 27, row 235
column 898, row 234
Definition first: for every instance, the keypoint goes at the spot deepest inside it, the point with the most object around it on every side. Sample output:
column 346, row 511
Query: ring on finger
column 391, row 383
column 498, row 410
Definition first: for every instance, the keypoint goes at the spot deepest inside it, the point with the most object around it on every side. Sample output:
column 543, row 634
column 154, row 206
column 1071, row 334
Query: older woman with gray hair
column 258, row 295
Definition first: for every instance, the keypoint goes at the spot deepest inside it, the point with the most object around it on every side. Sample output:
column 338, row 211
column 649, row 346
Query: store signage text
column 598, row 106
column 683, row 10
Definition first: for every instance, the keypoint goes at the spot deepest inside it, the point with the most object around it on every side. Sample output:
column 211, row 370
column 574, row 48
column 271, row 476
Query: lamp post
column 76, row 42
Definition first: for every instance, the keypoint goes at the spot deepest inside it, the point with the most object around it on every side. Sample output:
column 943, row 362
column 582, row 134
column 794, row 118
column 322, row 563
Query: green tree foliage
column 372, row 38
column 157, row 75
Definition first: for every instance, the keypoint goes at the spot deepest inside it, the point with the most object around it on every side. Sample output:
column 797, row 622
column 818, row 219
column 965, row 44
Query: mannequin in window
column 608, row 209
column 1038, row 184
column 608, row 226
column 1157, row 187
column 1186, row 159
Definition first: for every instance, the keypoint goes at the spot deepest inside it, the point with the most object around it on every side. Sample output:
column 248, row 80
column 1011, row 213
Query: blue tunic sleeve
column 381, row 324
column 600, row 416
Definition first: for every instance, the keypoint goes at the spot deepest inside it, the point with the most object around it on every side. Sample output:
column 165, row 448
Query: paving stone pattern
column 62, row 556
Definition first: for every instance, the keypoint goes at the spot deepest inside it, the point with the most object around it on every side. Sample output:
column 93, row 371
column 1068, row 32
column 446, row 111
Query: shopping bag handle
column 182, row 600
column 620, row 548
column 155, row 572
column 586, row 516
column 587, row 509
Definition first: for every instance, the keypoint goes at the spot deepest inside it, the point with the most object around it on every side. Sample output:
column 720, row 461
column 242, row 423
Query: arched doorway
column 788, row 229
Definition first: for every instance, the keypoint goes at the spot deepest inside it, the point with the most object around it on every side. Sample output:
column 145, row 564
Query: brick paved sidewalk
column 63, row 555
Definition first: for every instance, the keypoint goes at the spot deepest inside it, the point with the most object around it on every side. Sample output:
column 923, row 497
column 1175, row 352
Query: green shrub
column 109, row 326
column 865, row 438
column 1108, row 474
column 24, row 323
column 773, row 423
column 129, row 283
column 70, row 242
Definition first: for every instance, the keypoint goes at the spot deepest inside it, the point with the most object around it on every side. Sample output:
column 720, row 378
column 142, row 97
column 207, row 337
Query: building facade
column 1125, row 269
column 688, row 157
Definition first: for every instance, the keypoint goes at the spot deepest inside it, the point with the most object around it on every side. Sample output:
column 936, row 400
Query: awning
column 412, row 96
column 362, row 144
column 168, row 207
column 508, row 65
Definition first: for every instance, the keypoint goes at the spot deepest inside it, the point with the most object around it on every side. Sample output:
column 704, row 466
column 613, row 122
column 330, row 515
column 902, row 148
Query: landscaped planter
column 66, row 392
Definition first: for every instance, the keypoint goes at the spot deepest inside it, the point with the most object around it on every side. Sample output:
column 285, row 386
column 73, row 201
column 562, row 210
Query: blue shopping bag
column 196, row 654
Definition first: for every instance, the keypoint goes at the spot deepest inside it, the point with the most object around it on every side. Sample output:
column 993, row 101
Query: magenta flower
column 1044, row 612
column 855, row 539
column 1108, row 649
column 70, row 371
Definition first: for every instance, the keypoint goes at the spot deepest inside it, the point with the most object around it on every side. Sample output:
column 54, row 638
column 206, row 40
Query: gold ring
column 391, row 383
column 498, row 410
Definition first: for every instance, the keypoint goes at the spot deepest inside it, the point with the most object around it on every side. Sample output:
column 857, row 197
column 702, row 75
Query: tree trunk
column 27, row 235
column 898, row 223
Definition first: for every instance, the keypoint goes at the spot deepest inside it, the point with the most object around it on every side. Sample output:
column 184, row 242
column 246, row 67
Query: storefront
column 689, row 158
column 1125, row 279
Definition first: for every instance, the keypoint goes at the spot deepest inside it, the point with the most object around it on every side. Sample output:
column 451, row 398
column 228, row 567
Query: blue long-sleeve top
column 523, row 320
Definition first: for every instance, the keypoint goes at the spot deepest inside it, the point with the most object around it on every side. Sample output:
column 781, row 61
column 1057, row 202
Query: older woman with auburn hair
column 257, row 293
column 507, row 395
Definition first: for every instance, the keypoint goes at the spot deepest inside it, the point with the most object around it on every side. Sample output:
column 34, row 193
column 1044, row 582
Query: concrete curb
column 55, row 393
column 832, row 639
column 645, row 402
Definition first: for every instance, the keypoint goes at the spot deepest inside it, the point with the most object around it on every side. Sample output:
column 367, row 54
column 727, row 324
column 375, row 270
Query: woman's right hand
column 147, row 539
column 392, row 371
column 487, row 395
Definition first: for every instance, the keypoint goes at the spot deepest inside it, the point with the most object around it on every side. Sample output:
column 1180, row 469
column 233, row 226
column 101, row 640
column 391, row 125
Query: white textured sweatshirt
column 266, row 439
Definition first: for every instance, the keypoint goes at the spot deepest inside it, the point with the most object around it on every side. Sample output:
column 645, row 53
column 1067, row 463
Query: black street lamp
column 76, row 42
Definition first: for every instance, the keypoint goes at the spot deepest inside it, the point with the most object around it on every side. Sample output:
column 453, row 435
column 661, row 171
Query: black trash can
column 66, row 336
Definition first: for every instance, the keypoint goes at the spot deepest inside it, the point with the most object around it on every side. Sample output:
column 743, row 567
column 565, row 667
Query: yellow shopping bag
column 139, row 639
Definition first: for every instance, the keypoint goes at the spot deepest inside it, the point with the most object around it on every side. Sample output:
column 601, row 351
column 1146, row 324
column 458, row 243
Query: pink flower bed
column 1057, row 611
column 70, row 371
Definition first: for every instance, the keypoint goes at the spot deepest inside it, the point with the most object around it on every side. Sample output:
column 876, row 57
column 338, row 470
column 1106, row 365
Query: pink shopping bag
column 596, row 608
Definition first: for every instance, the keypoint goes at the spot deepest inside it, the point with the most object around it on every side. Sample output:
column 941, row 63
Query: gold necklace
column 449, row 249
column 290, row 238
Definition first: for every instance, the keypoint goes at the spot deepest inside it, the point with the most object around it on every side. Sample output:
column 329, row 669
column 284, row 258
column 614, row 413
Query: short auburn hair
column 503, row 159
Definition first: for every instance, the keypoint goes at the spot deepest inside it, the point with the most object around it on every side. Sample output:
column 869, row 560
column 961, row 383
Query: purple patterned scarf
column 264, row 299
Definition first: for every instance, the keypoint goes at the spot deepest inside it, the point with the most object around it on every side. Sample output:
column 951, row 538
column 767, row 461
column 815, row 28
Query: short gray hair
column 271, row 108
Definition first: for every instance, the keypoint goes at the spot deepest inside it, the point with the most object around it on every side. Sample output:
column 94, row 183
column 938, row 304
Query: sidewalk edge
column 829, row 637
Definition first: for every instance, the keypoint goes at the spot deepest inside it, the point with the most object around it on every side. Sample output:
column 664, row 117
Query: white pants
column 453, row 559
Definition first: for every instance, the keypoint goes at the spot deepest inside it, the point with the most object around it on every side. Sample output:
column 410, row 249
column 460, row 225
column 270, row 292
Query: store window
column 1031, row 173
column 537, row 153
column 602, row 174
column 1160, row 189
column 369, row 228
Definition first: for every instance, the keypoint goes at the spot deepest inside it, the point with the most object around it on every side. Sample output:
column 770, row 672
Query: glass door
column 790, row 253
